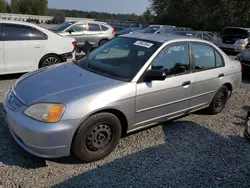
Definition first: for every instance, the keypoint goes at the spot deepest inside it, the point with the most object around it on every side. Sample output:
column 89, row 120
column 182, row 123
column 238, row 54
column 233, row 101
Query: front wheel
column 97, row 137
column 219, row 101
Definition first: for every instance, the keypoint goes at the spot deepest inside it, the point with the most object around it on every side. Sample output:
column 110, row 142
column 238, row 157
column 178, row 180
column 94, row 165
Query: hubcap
column 50, row 61
column 99, row 138
column 219, row 102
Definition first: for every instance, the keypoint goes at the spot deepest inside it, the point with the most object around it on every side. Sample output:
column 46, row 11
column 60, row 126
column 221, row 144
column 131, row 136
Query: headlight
column 46, row 112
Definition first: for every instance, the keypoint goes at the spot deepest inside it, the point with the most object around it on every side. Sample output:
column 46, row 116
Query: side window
column 14, row 32
column 219, row 61
column 204, row 57
column 104, row 28
column 78, row 28
column 94, row 27
column 173, row 60
column 40, row 35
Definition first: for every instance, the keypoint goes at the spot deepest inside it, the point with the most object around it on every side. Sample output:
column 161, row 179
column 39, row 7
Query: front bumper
column 44, row 140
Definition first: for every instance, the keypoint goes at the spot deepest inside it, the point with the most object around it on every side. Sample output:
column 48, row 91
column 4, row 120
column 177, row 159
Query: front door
column 208, row 73
column 22, row 47
column 160, row 100
column 78, row 31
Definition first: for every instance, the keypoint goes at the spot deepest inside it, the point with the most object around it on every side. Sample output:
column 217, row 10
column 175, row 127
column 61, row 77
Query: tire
column 104, row 127
column 49, row 60
column 103, row 42
column 219, row 102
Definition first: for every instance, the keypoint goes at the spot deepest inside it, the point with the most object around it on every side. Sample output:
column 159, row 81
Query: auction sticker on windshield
column 143, row 44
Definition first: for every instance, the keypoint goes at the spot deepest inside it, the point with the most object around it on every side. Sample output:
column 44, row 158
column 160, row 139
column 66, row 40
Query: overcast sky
column 112, row 6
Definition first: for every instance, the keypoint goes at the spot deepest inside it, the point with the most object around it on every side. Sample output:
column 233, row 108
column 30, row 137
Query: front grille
column 13, row 102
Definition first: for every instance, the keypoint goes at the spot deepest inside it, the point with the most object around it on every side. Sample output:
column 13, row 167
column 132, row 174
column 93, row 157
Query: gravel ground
column 196, row 151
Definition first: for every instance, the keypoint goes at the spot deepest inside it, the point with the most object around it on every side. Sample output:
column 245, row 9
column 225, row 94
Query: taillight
column 74, row 44
column 113, row 32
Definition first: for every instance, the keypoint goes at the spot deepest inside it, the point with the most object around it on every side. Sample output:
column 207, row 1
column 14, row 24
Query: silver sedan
column 130, row 83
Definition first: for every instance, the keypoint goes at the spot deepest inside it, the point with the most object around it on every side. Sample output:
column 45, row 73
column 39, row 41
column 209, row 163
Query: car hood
column 60, row 83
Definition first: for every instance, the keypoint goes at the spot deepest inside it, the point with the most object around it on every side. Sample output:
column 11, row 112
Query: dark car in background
column 127, row 31
column 184, row 29
column 244, row 58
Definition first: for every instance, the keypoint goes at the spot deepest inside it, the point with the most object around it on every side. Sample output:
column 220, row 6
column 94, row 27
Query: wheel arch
column 120, row 115
column 229, row 87
column 40, row 61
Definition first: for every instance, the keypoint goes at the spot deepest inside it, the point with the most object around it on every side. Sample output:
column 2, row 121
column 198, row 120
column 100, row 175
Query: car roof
column 17, row 22
column 161, row 26
column 91, row 21
column 158, row 37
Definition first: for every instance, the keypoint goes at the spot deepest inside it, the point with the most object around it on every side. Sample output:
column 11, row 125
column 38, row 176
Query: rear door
column 208, row 73
column 2, row 67
column 94, row 33
column 22, row 47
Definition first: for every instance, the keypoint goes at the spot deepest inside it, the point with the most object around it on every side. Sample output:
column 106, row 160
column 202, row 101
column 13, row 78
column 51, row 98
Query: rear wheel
column 219, row 101
column 97, row 137
column 49, row 60
column 102, row 42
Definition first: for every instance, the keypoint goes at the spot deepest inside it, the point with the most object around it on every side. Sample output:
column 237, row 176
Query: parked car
column 244, row 58
column 247, row 129
column 128, row 84
column 197, row 34
column 127, row 31
column 26, row 47
column 234, row 39
column 159, row 29
column 184, row 29
column 96, row 33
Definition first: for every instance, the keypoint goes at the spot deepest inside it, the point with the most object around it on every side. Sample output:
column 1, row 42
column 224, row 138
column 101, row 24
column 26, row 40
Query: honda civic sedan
column 130, row 83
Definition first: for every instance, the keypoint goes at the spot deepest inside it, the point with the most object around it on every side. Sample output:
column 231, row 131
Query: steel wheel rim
column 50, row 61
column 220, row 99
column 99, row 137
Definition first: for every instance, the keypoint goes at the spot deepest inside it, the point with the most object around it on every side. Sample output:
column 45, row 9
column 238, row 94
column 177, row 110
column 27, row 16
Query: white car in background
column 25, row 47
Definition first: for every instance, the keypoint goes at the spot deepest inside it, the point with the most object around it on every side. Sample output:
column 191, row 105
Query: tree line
column 202, row 14
column 40, row 7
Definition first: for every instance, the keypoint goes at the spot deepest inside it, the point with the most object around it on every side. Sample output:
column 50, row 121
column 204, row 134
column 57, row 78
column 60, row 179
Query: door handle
column 221, row 75
column 186, row 83
column 37, row 46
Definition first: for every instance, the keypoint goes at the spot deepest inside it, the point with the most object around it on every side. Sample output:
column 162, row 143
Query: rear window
column 104, row 28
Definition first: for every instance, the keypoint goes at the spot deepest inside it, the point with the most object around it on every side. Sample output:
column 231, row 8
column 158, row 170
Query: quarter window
column 15, row 32
column 94, row 27
column 104, row 28
column 204, row 57
column 173, row 60
column 219, row 61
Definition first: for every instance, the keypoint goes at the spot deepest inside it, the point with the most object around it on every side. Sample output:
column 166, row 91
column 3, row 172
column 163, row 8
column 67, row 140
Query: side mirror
column 155, row 74
column 71, row 31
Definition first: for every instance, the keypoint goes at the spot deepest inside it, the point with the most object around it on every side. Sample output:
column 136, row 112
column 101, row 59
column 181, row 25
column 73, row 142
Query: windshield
column 151, row 29
column 125, row 31
column 120, row 58
column 237, row 32
column 62, row 26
